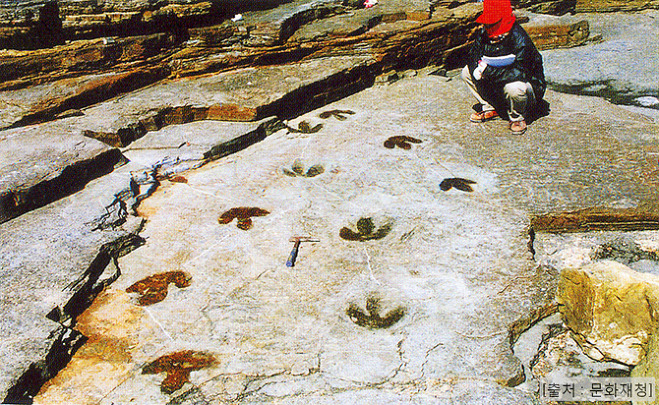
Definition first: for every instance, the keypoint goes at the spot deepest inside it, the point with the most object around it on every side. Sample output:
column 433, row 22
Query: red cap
column 494, row 11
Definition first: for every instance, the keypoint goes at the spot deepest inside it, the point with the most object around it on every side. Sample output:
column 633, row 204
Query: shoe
column 518, row 127
column 483, row 116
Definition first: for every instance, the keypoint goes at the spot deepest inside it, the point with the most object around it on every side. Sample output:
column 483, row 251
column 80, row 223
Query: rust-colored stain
column 178, row 366
column 338, row 114
column 596, row 219
column 365, row 231
column 373, row 318
column 458, row 183
column 231, row 112
column 243, row 216
column 154, row 288
column 178, row 179
column 400, row 141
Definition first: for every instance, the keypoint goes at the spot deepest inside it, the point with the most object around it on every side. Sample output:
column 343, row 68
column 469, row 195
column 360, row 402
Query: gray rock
column 40, row 164
column 54, row 260
column 424, row 302
column 620, row 68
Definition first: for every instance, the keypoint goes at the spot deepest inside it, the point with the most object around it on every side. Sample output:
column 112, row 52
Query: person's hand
column 478, row 72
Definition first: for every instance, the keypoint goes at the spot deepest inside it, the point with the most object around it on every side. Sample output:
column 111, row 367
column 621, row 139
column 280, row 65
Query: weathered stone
column 596, row 219
column 49, row 100
column 242, row 95
column 647, row 367
column 463, row 247
column 30, row 24
column 55, row 260
column 274, row 27
column 553, row 7
column 454, row 263
column 604, row 6
column 549, row 353
column 611, row 309
column 22, row 68
column 40, row 164
column 637, row 249
column 550, row 36
column 610, row 67
column 178, row 148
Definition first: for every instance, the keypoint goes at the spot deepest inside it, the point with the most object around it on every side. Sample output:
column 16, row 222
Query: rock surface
column 207, row 310
column 603, row 6
column 601, row 303
column 291, row 334
column 620, row 68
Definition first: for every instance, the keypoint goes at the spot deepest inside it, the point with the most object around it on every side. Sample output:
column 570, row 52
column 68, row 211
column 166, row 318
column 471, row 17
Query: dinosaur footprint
column 304, row 128
column 400, row 141
column 373, row 319
column 458, row 183
column 243, row 216
column 365, row 231
column 338, row 114
column 178, row 366
column 153, row 289
column 298, row 170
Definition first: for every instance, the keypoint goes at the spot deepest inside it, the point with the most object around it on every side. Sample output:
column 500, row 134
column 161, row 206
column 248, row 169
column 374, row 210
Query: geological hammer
column 296, row 247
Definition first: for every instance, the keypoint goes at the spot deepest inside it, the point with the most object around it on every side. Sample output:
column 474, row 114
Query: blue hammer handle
column 291, row 258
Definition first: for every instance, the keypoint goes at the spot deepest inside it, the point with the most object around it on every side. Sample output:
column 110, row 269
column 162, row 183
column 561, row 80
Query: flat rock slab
column 420, row 303
column 45, row 162
column 242, row 95
column 41, row 164
column 52, row 260
column 55, row 99
column 178, row 148
column 619, row 68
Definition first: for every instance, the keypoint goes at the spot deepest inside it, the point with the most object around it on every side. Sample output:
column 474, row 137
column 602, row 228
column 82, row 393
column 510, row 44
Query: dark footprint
column 153, row 289
column 338, row 114
column 400, row 141
column 304, row 128
column 298, row 170
column 178, row 366
column 365, row 231
column 373, row 319
column 243, row 216
column 458, row 183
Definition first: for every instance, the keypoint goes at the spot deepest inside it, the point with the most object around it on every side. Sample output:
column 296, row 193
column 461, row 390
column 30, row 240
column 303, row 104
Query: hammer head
column 303, row 239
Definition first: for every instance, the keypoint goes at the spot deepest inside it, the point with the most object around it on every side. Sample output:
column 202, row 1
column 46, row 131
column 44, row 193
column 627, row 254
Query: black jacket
column 527, row 66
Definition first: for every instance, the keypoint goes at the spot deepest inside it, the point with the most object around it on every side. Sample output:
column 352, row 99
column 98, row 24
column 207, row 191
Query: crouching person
column 504, row 70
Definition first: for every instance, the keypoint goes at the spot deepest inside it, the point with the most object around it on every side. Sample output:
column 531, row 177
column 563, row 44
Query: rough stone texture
column 53, row 261
column 242, row 95
column 45, row 162
column 40, row 165
column 638, row 250
column 605, row 6
column 180, row 147
column 549, row 353
column 79, row 58
column 647, row 367
column 78, row 241
column 553, row 32
column 619, row 67
column 29, row 24
column 52, row 100
column 396, row 35
column 424, row 253
column 456, row 263
column 611, row 309
column 552, row 7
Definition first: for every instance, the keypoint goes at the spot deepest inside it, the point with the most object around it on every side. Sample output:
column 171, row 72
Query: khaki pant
column 519, row 95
